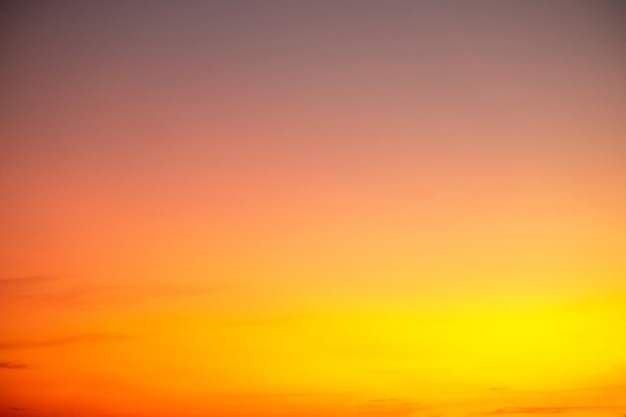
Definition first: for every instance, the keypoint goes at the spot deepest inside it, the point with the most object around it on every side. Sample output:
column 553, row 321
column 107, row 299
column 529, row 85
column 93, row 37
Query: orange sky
column 254, row 209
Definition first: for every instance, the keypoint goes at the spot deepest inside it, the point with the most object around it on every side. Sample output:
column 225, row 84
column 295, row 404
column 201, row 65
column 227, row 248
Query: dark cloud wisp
column 13, row 365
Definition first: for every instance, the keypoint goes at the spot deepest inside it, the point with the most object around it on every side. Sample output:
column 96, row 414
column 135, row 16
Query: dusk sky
column 313, row 208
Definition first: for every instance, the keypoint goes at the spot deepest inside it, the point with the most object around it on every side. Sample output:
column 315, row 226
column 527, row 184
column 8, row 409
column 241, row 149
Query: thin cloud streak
column 552, row 410
column 52, row 290
column 266, row 321
column 19, row 282
column 13, row 365
column 391, row 407
column 68, row 340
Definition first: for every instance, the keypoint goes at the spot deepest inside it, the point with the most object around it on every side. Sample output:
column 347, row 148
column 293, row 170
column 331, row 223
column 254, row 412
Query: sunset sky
column 265, row 208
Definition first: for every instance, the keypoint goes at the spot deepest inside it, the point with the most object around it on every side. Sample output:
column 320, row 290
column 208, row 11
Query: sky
column 313, row 208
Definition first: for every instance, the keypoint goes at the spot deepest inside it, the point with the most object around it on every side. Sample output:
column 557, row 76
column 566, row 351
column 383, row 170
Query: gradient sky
column 313, row 208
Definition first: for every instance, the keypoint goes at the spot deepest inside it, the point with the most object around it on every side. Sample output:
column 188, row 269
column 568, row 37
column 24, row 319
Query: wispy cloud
column 66, row 292
column 21, row 409
column 553, row 409
column 13, row 365
column 391, row 407
column 267, row 320
column 20, row 282
column 104, row 294
column 68, row 340
column 385, row 400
